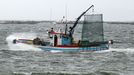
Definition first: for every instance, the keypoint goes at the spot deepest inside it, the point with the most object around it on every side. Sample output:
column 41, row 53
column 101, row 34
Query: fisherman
column 51, row 31
column 71, row 32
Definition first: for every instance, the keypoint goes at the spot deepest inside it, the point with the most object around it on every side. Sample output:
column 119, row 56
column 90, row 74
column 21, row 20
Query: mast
column 51, row 14
column 66, row 19
column 76, row 22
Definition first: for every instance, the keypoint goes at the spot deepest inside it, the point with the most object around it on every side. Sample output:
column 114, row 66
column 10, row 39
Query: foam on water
column 123, row 50
column 21, row 46
column 129, row 50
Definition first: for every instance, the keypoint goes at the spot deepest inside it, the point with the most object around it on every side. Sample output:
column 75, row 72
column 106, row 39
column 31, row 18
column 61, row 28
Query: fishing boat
column 92, row 37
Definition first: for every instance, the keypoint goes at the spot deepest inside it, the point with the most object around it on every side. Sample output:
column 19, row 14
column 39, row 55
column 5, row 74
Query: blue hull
column 66, row 49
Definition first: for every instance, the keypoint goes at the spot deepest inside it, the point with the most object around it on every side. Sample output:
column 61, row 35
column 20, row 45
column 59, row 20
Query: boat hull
column 66, row 49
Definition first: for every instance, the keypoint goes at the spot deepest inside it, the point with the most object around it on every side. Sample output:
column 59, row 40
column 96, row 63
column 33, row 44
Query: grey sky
column 113, row 10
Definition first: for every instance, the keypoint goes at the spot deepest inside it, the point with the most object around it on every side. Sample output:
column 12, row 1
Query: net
column 92, row 30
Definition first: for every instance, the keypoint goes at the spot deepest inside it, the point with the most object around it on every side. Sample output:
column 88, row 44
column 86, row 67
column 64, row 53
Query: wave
column 128, row 50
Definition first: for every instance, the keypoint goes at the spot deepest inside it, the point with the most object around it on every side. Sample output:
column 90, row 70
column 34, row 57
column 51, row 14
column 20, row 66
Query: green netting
column 92, row 30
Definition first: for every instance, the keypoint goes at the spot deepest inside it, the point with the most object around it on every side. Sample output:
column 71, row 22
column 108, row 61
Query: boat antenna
column 76, row 22
column 51, row 14
column 66, row 12
column 66, row 19
column 93, row 10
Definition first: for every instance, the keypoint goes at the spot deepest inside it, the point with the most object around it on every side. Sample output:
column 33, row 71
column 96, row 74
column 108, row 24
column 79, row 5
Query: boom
column 76, row 22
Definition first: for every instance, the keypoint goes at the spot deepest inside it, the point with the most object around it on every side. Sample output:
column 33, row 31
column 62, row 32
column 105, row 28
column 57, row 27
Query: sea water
column 21, row 59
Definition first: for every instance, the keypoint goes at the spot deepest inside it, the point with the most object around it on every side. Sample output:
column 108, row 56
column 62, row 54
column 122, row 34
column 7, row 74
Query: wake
column 128, row 50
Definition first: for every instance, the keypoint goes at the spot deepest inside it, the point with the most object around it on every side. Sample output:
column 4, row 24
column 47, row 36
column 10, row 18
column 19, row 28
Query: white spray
column 21, row 46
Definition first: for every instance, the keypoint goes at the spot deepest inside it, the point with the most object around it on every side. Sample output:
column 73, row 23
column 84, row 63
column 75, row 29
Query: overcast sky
column 113, row 10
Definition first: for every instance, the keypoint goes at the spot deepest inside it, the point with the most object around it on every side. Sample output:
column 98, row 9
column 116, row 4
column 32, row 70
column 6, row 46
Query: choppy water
column 116, row 61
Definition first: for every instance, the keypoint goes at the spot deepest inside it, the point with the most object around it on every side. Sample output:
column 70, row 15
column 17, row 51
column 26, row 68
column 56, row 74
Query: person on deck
column 51, row 31
column 71, row 32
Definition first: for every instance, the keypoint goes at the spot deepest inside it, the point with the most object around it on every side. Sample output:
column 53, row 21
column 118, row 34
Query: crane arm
column 76, row 22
